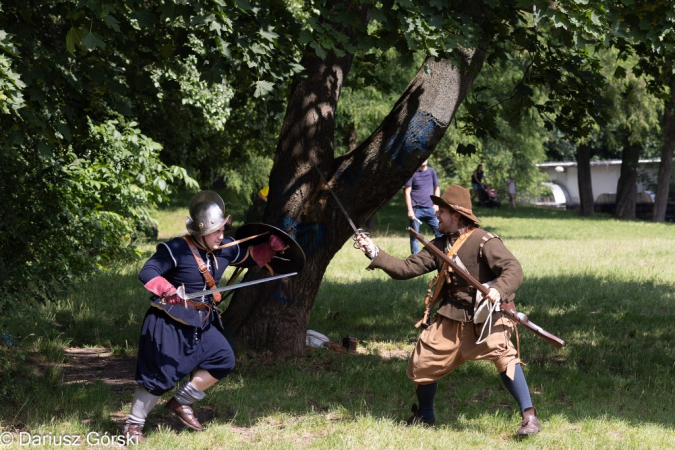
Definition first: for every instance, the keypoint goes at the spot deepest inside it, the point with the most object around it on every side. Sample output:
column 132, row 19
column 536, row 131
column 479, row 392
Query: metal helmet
column 207, row 214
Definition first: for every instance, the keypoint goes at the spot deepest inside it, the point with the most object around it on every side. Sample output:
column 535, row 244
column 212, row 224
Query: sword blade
column 344, row 211
column 236, row 286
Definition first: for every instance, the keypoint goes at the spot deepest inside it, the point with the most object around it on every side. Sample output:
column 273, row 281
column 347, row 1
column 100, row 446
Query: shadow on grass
column 617, row 361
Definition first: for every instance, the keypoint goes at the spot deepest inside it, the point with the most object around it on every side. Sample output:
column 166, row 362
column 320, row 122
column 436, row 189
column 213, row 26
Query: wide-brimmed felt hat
column 458, row 199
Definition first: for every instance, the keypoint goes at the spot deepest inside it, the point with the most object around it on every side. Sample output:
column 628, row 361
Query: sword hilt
column 359, row 232
column 181, row 293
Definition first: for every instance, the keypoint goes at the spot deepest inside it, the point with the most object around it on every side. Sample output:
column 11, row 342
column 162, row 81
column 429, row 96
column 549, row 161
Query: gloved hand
column 174, row 299
column 263, row 253
column 367, row 246
column 493, row 295
column 163, row 289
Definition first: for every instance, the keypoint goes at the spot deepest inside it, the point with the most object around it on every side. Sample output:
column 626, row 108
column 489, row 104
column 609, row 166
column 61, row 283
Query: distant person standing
column 418, row 191
column 477, row 181
column 511, row 186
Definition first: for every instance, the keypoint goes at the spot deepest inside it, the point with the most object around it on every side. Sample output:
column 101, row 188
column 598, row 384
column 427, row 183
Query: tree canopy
column 109, row 106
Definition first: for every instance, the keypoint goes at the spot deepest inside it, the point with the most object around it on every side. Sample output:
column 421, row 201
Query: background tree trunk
column 586, row 200
column 665, row 167
column 626, row 189
column 274, row 316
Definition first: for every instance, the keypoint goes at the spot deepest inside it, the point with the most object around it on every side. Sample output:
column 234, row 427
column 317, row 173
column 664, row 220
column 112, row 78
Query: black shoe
column 416, row 419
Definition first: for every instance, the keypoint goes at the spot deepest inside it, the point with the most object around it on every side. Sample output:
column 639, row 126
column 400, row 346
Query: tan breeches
column 447, row 344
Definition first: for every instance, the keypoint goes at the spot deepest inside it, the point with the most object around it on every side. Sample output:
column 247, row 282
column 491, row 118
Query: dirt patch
column 87, row 365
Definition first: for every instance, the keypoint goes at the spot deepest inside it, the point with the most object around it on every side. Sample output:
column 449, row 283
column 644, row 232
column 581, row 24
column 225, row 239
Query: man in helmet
column 455, row 335
column 181, row 338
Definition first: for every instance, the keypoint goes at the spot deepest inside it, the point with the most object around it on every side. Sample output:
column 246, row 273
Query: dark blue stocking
column 518, row 388
column 425, row 397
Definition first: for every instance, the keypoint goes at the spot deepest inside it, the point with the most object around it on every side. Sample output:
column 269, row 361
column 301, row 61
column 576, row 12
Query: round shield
column 292, row 259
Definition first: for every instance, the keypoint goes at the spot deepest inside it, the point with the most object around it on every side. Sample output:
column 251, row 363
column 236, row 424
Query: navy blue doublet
column 174, row 340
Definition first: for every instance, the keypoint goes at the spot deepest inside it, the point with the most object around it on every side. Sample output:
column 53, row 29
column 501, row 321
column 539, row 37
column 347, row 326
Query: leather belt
column 200, row 306
column 465, row 289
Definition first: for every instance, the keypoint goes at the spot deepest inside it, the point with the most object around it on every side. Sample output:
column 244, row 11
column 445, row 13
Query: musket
column 507, row 308
column 357, row 231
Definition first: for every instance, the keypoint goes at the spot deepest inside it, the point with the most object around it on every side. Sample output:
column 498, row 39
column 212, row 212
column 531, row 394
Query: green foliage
column 97, row 92
column 70, row 214
column 637, row 112
column 11, row 86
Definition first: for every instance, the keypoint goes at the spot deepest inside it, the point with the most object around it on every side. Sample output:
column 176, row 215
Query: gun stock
column 507, row 308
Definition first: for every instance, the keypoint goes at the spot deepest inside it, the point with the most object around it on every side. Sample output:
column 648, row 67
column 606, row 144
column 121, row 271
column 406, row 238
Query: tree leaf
column 269, row 35
column 167, row 12
column 73, row 38
column 320, row 52
column 145, row 17
column 466, row 149
column 297, row 67
column 620, row 73
column 262, row 88
column 243, row 4
column 111, row 22
column 93, row 40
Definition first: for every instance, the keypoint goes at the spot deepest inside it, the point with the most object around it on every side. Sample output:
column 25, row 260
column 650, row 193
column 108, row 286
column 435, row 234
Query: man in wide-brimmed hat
column 466, row 327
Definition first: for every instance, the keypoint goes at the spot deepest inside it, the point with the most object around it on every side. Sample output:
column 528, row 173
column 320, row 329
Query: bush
column 70, row 214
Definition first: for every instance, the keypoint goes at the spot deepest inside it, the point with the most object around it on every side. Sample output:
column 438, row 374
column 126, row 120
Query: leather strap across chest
column 439, row 279
column 203, row 268
column 458, row 243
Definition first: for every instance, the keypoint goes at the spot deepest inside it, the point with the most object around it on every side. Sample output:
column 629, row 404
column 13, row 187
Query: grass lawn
column 604, row 286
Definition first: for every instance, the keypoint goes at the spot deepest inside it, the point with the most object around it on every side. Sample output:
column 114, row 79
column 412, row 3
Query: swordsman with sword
column 458, row 332
column 182, row 334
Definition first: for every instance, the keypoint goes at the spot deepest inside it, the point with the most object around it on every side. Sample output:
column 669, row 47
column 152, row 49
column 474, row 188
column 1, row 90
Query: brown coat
column 485, row 258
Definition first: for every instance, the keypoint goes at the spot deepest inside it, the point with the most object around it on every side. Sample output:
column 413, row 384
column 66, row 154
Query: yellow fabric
column 447, row 344
column 265, row 191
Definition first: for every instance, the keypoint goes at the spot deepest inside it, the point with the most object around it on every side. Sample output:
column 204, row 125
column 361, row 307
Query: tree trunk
column 665, row 167
column 274, row 316
column 586, row 201
column 626, row 189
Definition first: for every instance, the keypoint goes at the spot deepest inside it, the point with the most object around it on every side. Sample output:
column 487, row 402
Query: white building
column 604, row 178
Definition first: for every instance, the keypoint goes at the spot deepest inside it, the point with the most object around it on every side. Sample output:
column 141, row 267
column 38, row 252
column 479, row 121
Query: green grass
column 604, row 286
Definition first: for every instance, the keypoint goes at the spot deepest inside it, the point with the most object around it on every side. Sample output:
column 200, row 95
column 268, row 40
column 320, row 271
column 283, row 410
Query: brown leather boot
column 184, row 413
column 530, row 424
column 134, row 433
column 416, row 419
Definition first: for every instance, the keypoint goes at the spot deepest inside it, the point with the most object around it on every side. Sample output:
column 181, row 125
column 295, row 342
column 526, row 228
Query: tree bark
column 626, row 189
column 274, row 316
column 665, row 167
column 586, row 200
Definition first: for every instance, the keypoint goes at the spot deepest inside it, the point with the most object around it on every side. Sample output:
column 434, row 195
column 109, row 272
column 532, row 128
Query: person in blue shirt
column 183, row 338
column 421, row 209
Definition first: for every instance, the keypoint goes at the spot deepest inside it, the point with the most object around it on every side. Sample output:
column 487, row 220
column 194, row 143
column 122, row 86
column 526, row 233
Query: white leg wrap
column 187, row 394
column 141, row 406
